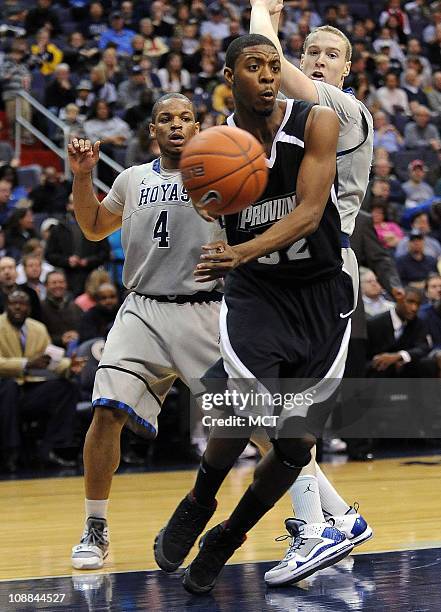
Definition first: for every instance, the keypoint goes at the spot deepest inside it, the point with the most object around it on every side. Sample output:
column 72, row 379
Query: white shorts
column 150, row 345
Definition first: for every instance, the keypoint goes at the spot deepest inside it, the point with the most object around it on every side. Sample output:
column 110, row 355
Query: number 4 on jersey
column 160, row 232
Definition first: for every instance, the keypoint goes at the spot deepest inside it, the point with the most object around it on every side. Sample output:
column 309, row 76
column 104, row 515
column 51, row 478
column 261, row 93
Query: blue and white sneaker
column 313, row 547
column 353, row 525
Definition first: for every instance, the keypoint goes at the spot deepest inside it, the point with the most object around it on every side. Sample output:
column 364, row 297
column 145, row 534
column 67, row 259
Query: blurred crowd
column 99, row 66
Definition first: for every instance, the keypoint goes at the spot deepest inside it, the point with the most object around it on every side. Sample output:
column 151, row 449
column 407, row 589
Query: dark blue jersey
column 310, row 259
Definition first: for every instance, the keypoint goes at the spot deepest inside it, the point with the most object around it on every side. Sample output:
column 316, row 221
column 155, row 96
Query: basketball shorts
column 278, row 340
column 150, row 345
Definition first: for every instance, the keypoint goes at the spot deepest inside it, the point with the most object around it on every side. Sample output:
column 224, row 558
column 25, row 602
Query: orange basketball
column 223, row 169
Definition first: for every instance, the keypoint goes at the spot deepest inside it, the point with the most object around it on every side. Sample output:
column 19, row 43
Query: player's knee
column 295, row 452
column 105, row 417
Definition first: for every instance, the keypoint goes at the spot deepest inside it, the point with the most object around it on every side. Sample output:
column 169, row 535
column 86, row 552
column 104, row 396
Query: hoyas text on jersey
column 164, row 193
column 266, row 213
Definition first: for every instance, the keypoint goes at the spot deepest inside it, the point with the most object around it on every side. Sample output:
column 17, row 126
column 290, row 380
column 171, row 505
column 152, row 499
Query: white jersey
column 162, row 234
column 354, row 150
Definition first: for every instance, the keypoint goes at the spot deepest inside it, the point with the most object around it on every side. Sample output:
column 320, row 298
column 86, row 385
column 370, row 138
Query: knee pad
column 293, row 453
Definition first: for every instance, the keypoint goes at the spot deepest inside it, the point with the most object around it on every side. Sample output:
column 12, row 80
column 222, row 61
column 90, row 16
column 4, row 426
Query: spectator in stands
column 385, row 44
column 113, row 134
column 432, row 292
column 383, row 170
column 6, row 251
column 60, row 91
column 434, row 49
column 391, row 97
column 71, row 117
column 85, row 98
column 69, row 249
column 45, row 54
column 397, row 339
column 59, row 313
column 52, row 194
column 29, row 389
column 9, row 173
column 155, row 46
column 140, row 113
column 432, row 319
column 417, row 190
column 34, row 247
column 215, row 24
column 420, row 132
column 6, row 203
column 102, row 89
column 8, row 284
column 415, row 267
column 96, row 322
column 130, row 90
column 414, row 50
column 139, row 148
column 393, row 9
column 411, row 83
column 15, row 76
column 113, row 69
column 378, row 191
column 389, row 233
column 162, row 26
column 430, row 32
column 42, row 16
column 20, row 228
column 32, row 271
column 421, row 223
column 94, row 24
column 434, row 93
column 79, row 54
column 117, row 34
column 96, row 278
column 372, row 292
column 174, row 77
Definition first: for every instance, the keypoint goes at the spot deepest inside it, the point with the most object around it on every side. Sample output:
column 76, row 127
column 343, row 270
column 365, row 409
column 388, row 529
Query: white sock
column 330, row 500
column 97, row 508
column 305, row 497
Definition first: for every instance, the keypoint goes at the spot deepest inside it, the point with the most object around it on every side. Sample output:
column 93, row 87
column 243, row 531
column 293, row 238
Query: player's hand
column 217, row 259
column 384, row 360
column 83, row 156
column 273, row 6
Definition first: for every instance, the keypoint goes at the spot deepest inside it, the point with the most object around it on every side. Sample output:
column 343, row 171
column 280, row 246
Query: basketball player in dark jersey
column 284, row 314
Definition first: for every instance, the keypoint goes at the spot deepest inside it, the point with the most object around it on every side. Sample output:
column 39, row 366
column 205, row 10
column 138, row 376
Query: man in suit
column 29, row 388
column 397, row 339
column 371, row 254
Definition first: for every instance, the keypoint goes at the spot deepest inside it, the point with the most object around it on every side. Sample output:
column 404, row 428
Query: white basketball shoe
column 313, row 547
column 93, row 547
column 352, row 524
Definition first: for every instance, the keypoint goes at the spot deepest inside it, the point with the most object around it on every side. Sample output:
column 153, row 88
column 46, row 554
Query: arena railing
column 21, row 122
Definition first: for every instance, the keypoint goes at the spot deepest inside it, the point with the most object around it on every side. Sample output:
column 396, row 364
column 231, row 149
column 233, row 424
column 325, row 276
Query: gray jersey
column 162, row 234
column 353, row 167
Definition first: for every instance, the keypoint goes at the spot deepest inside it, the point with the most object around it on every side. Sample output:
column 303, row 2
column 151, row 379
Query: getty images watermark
column 251, row 408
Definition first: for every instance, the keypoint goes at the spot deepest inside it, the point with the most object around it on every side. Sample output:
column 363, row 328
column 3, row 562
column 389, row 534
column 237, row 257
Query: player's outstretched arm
column 294, row 83
column 95, row 220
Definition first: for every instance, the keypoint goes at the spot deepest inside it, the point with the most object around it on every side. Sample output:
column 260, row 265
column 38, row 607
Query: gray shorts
column 150, row 345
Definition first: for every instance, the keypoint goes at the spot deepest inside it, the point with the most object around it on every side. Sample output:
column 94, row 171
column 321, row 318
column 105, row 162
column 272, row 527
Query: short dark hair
column 409, row 289
column 56, row 271
column 17, row 293
column 170, row 96
column 236, row 47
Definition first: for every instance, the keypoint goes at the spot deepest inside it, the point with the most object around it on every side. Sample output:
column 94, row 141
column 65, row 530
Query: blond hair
column 331, row 30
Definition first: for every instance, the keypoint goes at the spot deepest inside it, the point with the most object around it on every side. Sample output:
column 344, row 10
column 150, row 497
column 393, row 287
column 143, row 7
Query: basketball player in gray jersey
column 168, row 324
column 325, row 62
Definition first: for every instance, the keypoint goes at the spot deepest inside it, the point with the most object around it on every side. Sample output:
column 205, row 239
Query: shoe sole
column 319, row 565
column 88, row 564
column 363, row 537
column 193, row 588
column 160, row 558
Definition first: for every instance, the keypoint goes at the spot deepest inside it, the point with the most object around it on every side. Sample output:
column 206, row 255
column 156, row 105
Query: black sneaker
column 217, row 546
column 175, row 540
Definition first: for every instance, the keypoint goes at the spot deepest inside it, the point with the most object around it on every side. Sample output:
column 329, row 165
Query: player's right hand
column 273, row 6
column 83, row 156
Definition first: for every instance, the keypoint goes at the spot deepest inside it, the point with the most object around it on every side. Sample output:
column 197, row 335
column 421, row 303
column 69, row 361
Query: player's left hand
column 217, row 259
column 384, row 360
column 273, row 6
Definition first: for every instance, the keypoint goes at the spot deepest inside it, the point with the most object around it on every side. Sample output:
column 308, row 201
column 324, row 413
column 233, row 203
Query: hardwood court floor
column 43, row 518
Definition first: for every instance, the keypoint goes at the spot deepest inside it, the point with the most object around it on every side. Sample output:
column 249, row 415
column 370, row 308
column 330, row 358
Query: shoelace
column 94, row 537
column 295, row 544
